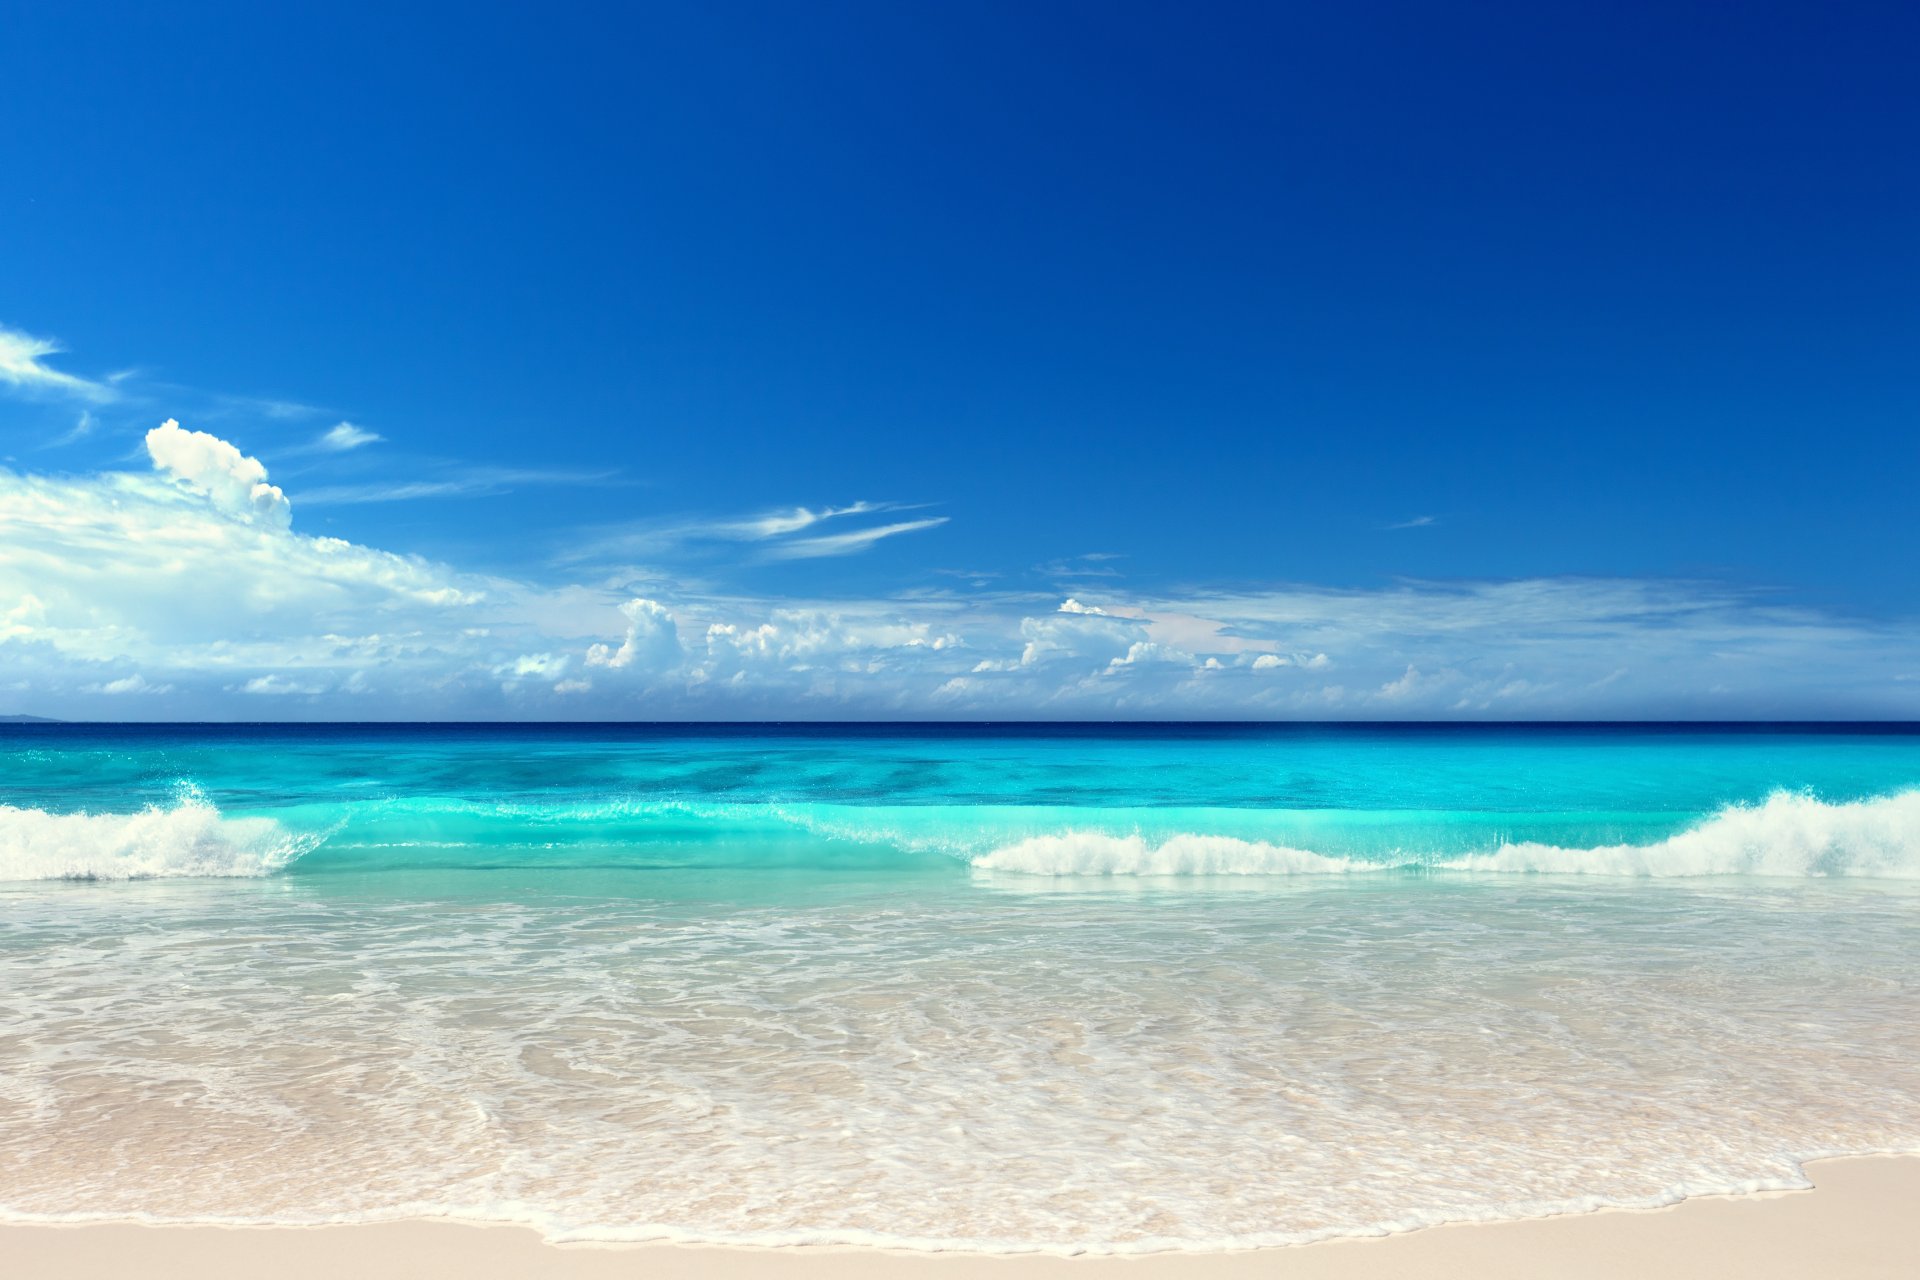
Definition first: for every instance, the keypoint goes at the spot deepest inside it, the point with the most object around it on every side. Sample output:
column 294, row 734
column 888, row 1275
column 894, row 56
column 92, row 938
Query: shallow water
column 1072, row 989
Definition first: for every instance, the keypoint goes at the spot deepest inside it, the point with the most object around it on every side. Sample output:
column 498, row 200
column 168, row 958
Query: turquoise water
column 1066, row 988
column 749, row 799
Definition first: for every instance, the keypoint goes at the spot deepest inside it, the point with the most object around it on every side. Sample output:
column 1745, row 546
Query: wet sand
column 1859, row 1221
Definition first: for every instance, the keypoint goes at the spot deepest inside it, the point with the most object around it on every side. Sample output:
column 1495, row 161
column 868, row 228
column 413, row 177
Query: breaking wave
column 1787, row 834
column 190, row 838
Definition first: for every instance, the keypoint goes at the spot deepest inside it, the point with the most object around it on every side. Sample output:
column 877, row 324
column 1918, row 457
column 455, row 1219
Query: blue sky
column 1523, row 360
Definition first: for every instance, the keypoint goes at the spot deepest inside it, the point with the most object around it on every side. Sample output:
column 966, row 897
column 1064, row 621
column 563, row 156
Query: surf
column 1786, row 835
column 191, row 837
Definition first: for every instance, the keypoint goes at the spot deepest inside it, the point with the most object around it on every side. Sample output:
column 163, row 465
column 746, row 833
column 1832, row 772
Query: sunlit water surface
column 1012, row 989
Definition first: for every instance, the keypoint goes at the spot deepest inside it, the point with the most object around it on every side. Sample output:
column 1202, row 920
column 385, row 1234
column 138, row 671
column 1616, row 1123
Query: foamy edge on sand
column 554, row 1229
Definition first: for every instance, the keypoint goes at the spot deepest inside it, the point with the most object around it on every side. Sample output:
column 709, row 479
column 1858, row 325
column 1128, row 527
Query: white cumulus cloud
column 235, row 482
column 652, row 642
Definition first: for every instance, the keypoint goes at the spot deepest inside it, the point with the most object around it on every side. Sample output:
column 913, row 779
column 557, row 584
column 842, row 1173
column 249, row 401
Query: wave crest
column 1788, row 835
column 189, row 839
column 1091, row 853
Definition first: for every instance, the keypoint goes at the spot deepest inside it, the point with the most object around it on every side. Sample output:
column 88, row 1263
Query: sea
column 1010, row 987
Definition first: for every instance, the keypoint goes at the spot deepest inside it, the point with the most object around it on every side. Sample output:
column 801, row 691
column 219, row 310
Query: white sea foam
column 1092, row 853
column 1108, row 1073
column 190, row 838
column 1787, row 834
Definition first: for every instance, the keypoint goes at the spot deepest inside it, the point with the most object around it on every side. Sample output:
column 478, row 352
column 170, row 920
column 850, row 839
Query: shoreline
column 1853, row 1222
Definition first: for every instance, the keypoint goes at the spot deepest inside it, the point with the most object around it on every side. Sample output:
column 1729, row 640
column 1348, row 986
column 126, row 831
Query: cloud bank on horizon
column 186, row 590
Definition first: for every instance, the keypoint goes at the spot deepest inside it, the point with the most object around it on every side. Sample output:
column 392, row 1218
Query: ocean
column 1073, row 988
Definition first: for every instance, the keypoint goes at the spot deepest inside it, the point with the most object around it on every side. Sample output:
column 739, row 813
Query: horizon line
column 31, row 721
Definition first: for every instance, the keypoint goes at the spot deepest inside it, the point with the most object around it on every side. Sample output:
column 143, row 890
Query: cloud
column 235, row 483
column 193, row 575
column 25, row 370
column 466, row 482
column 280, row 687
column 1078, row 634
column 855, row 654
column 653, row 640
column 1409, row 680
column 230, row 406
column 344, row 436
column 135, row 683
column 846, row 544
column 771, row 531
column 22, row 368
column 1418, row 522
column 1094, row 564
column 776, row 524
column 20, row 621
column 547, row 668
column 1147, row 652
column 81, row 429
column 191, row 586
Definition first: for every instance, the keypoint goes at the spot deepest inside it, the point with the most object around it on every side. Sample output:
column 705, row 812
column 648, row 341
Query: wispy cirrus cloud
column 23, row 367
column 26, row 372
column 849, row 543
column 771, row 534
column 82, row 428
column 344, row 436
column 1417, row 522
column 1092, row 564
column 462, row 482
column 777, row 524
column 271, row 407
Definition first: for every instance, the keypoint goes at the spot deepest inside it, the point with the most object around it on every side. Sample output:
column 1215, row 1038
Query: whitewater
column 1787, row 834
column 1073, row 989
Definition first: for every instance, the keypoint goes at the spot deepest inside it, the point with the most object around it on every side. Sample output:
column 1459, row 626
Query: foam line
column 1787, row 834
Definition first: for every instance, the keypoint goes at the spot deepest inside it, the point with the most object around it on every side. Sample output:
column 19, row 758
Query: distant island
column 29, row 720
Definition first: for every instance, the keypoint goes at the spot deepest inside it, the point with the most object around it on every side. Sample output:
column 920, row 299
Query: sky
column 765, row 361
